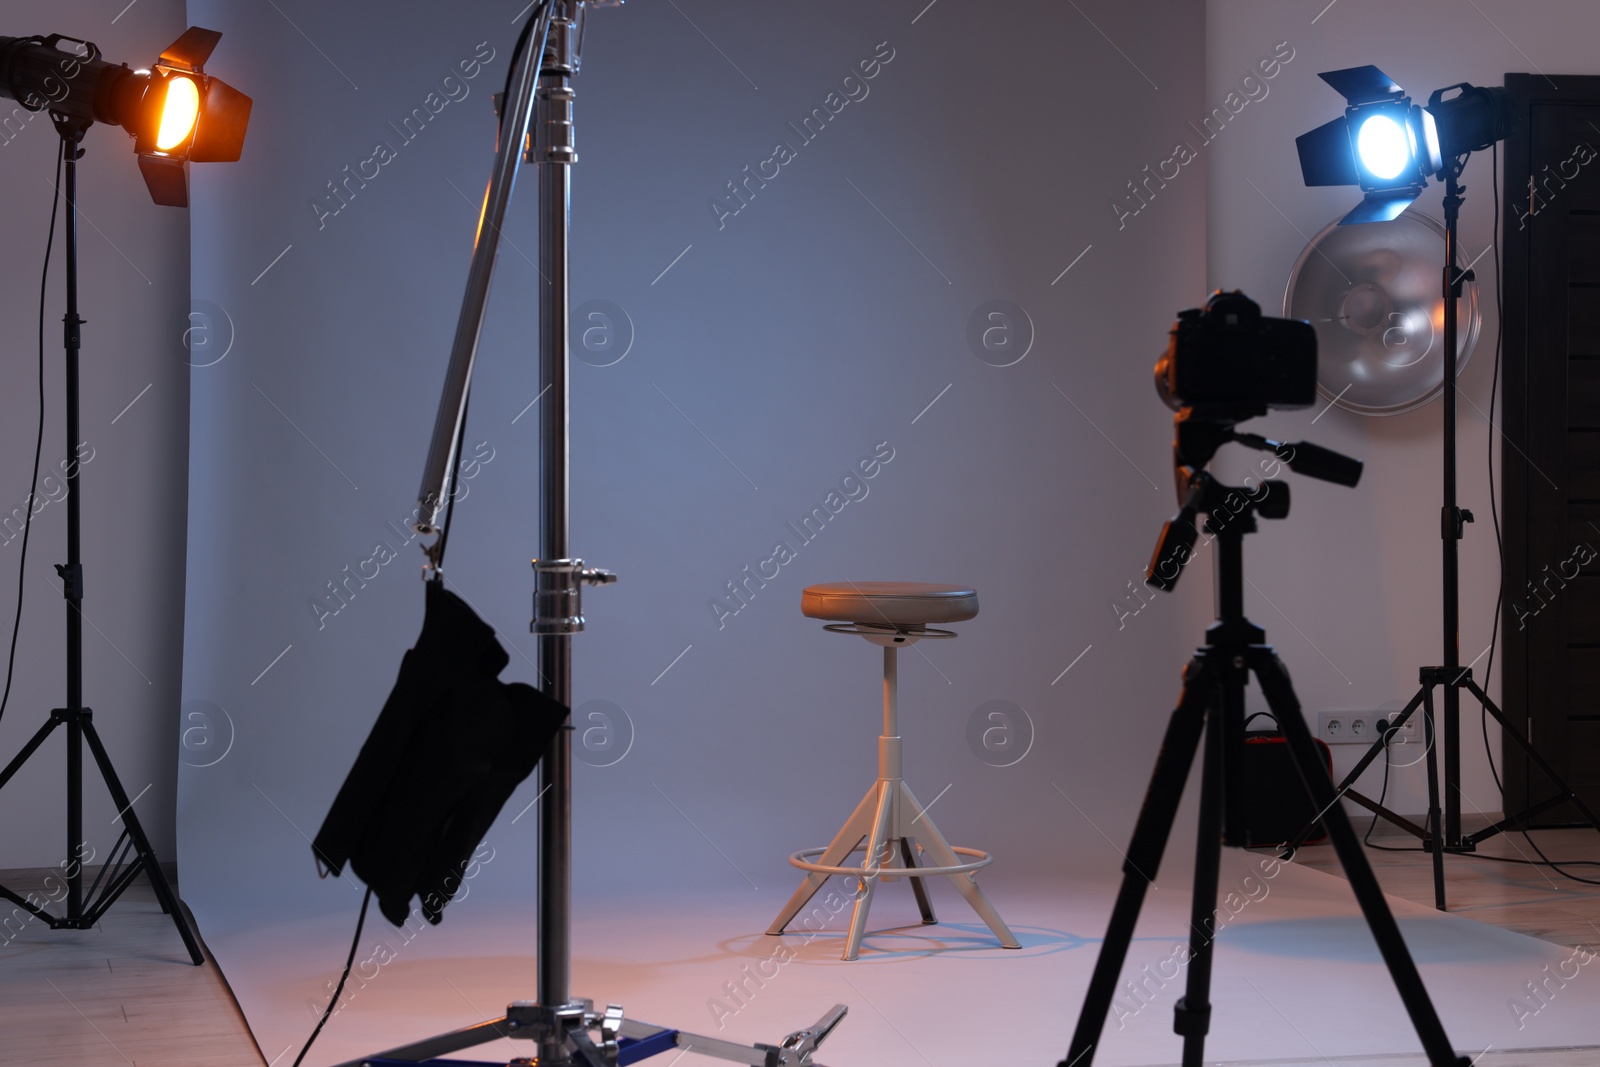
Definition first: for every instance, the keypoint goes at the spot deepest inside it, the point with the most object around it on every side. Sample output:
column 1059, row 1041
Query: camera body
column 1229, row 362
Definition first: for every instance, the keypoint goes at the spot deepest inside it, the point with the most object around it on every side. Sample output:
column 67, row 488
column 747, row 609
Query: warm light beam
column 178, row 113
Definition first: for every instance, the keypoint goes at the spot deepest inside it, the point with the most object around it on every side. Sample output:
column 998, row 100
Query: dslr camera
column 1227, row 362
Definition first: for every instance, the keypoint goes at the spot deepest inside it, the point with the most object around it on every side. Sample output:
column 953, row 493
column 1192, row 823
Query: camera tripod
column 1212, row 704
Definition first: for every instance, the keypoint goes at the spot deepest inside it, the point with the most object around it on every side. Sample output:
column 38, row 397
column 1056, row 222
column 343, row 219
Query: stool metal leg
column 944, row 856
column 878, row 846
column 858, row 826
column 908, row 860
column 890, row 819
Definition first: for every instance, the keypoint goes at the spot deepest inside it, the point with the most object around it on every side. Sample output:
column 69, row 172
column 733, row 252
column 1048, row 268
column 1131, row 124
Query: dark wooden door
column 1550, row 226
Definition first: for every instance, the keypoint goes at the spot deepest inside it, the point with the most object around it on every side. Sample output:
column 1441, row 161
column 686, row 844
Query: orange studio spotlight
column 174, row 111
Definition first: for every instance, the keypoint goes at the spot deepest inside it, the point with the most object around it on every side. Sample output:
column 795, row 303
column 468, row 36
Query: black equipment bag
column 1273, row 804
column 450, row 745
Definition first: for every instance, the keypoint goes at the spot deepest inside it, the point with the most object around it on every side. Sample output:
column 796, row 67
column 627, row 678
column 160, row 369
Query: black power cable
column 38, row 441
column 520, row 47
column 1387, row 733
column 327, row 1013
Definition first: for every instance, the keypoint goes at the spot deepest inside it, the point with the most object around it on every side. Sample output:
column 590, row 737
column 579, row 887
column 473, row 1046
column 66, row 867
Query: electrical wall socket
column 1361, row 727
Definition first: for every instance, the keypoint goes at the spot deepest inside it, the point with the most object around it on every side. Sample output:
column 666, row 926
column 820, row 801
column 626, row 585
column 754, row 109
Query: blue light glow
column 1383, row 147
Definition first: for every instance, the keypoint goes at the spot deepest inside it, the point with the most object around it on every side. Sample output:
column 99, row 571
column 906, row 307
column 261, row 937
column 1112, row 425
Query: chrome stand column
column 551, row 149
column 566, row 1030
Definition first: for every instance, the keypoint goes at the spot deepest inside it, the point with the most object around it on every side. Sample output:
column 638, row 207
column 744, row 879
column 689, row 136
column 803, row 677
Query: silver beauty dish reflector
column 1372, row 292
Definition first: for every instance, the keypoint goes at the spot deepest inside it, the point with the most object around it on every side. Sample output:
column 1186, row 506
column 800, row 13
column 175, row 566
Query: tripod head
column 1230, row 510
column 1226, row 363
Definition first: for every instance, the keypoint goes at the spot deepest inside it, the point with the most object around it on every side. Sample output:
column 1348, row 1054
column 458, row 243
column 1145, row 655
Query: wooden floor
column 125, row 992
column 1531, row 900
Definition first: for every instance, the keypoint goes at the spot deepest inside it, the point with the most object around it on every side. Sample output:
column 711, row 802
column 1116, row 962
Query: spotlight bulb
column 1383, row 147
column 178, row 113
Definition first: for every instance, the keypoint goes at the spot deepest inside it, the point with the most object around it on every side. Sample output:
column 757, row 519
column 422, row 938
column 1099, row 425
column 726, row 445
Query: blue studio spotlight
column 1383, row 142
column 1389, row 146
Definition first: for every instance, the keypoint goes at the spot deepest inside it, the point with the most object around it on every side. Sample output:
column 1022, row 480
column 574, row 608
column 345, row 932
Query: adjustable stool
column 889, row 818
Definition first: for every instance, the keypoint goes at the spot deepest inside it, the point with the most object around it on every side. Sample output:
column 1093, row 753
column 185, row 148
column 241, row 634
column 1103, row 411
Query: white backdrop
column 773, row 348
column 795, row 337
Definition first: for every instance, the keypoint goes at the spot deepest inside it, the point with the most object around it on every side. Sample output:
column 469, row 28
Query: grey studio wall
column 796, row 334
column 772, row 349
column 783, row 343
column 134, row 292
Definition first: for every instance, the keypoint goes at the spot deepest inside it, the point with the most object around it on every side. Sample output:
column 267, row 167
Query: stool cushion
column 889, row 603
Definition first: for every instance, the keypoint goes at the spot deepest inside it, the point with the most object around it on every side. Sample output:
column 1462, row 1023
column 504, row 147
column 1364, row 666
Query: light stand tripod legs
column 82, row 913
column 1378, row 748
column 141, row 844
column 1435, row 814
column 1391, row 945
column 1431, row 835
column 1437, row 835
column 1567, row 792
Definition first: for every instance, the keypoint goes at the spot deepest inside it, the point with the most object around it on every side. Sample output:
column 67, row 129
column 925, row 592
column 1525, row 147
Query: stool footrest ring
column 802, row 860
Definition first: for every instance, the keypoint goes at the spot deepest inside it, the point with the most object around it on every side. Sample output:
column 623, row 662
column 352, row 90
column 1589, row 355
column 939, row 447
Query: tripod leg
column 1435, row 817
column 1378, row 748
column 38, row 738
column 1143, row 860
column 1402, row 969
column 1532, row 753
column 147, row 855
column 1192, row 1014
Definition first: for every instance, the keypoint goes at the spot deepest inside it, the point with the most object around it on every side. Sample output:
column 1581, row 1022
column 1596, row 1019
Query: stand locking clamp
column 558, row 594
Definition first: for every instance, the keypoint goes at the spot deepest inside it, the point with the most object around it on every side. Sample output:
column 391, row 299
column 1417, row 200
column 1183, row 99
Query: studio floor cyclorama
column 1297, row 977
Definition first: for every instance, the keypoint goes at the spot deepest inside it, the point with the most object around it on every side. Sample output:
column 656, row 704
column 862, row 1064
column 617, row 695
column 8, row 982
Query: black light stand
column 565, row 1030
column 1452, row 677
column 120, row 869
column 1212, row 704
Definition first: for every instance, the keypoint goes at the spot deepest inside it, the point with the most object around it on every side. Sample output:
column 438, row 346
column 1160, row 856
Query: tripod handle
column 1173, row 550
column 1325, row 464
